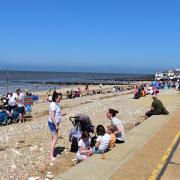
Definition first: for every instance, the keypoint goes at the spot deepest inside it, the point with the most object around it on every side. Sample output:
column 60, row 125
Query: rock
column 33, row 178
column 49, row 172
column 50, row 176
column 51, row 164
column 33, row 148
column 73, row 160
column 16, row 152
column 13, row 166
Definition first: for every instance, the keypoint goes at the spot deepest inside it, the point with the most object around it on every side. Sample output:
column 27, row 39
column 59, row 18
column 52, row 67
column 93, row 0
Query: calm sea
column 25, row 79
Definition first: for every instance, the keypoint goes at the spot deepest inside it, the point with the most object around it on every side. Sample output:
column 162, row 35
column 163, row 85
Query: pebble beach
column 24, row 148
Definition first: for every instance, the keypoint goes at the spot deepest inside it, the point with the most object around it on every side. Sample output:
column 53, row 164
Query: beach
column 24, row 148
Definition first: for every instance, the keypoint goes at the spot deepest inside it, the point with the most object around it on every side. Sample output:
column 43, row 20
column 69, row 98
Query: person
column 20, row 104
column 100, row 86
column 84, row 147
column 119, row 132
column 3, row 114
column 86, row 87
column 12, row 101
column 28, row 102
column 157, row 108
column 111, row 131
column 136, row 95
column 102, row 141
column 54, row 120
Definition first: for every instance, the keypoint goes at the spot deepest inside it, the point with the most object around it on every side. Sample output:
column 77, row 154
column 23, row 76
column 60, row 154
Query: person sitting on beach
column 3, row 114
column 157, row 108
column 84, row 147
column 111, row 131
column 136, row 92
column 119, row 132
column 102, row 141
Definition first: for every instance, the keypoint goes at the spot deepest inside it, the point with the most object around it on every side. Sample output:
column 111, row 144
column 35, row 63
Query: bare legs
column 53, row 144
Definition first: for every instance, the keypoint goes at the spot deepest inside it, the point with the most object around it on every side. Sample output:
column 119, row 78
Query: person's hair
column 1, row 106
column 85, row 135
column 100, row 130
column 55, row 96
column 18, row 90
column 113, row 112
column 111, row 128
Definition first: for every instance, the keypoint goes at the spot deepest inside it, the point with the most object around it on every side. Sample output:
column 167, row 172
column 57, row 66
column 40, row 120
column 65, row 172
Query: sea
column 38, row 81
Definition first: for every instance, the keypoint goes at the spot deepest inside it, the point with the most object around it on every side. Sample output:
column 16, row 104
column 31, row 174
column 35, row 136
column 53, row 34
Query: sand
column 24, row 148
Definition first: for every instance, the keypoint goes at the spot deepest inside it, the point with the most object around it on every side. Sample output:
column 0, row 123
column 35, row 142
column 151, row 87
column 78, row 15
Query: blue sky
column 90, row 35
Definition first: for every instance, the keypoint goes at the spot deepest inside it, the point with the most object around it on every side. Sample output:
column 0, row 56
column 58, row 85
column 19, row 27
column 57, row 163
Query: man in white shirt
column 12, row 101
column 20, row 104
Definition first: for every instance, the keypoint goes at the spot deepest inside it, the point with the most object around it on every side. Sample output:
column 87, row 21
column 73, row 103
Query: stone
column 13, row 166
column 50, row 176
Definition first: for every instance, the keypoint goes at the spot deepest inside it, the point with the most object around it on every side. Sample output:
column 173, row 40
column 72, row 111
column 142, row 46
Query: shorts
column 52, row 127
column 12, row 108
column 98, row 151
column 20, row 110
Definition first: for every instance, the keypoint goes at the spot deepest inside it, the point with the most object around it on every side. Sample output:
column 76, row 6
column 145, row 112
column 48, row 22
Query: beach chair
column 28, row 102
column 4, row 118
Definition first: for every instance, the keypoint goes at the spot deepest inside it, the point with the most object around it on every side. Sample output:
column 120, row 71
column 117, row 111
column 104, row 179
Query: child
column 84, row 150
column 102, row 141
column 111, row 131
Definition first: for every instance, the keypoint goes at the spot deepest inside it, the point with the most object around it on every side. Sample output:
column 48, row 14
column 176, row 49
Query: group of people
column 144, row 89
column 153, row 88
column 15, row 105
column 74, row 93
column 105, row 138
column 117, row 89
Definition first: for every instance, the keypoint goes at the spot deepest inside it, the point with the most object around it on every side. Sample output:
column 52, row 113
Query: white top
column 55, row 107
column 104, row 142
column 21, row 100
column 118, row 123
column 12, row 100
column 84, row 144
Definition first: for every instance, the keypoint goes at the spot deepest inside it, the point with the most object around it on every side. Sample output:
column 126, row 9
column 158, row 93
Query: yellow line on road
column 160, row 166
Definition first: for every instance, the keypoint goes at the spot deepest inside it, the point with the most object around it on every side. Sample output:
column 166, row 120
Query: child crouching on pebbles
column 111, row 131
column 84, row 150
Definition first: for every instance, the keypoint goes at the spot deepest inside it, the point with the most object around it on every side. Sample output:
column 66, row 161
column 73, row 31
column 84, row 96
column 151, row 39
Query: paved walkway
column 172, row 171
column 137, row 158
column 151, row 157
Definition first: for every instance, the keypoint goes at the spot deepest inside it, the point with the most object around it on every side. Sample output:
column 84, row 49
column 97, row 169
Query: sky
column 141, row 36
